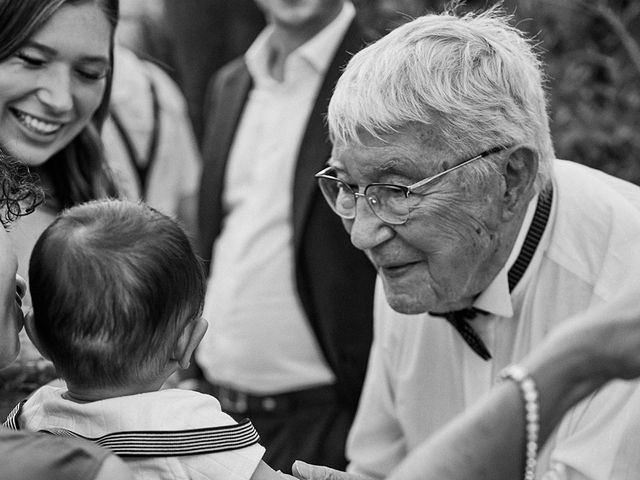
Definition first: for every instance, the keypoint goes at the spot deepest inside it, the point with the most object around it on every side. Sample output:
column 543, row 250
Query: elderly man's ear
column 520, row 171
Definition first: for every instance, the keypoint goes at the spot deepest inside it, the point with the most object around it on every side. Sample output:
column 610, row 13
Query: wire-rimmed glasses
column 389, row 202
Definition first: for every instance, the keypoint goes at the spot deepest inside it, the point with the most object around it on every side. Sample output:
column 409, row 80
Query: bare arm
column 487, row 442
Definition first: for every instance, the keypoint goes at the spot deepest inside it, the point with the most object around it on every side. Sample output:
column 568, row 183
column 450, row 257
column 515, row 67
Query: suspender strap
column 154, row 140
column 536, row 229
column 173, row 443
column 142, row 168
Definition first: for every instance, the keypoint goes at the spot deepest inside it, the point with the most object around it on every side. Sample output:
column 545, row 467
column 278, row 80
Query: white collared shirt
column 259, row 338
column 422, row 374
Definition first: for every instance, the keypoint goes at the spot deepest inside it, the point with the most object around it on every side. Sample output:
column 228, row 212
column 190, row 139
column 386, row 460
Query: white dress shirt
column 422, row 374
column 259, row 338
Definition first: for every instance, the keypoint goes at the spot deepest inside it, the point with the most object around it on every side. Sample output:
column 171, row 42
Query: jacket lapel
column 229, row 97
column 315, row 147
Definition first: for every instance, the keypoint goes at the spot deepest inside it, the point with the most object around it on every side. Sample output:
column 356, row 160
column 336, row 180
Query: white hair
column 474, row 78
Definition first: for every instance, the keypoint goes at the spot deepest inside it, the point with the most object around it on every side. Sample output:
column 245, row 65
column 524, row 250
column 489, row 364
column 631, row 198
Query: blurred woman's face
column 51, row 86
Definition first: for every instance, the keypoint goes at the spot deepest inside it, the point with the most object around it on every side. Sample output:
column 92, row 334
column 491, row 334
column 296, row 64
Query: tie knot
column 459, row 315
column 459, row 320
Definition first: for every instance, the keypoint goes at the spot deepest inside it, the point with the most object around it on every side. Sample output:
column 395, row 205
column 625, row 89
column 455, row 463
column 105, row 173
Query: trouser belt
column 239, row 402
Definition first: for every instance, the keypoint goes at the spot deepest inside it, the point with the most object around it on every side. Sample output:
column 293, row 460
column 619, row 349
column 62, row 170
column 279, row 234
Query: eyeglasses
column 389, row 202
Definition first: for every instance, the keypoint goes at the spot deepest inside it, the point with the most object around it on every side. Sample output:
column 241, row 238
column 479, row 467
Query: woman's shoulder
column 31, row 455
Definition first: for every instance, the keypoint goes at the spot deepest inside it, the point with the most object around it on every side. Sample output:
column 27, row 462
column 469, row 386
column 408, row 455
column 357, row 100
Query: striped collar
column 160, row 443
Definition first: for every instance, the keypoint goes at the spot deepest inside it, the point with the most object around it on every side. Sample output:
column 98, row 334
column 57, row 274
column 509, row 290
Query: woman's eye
column 92, row 75
column 30, row 59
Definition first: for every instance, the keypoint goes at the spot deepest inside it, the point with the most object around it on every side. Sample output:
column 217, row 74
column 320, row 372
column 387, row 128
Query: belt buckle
column 233, row 400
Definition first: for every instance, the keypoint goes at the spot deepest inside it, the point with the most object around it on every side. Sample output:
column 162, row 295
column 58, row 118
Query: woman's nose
column 55, row 90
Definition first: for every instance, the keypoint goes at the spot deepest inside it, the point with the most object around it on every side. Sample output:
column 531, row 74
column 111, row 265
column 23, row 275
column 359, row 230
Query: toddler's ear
column 29, row 327
column 188, row 341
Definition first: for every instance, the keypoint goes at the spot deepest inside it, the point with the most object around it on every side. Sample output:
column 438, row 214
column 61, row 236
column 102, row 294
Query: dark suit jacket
column 334, row 280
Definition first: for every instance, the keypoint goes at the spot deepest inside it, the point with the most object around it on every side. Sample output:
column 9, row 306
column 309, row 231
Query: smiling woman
column 56, row 60
column 55, row 82
column 55, row 79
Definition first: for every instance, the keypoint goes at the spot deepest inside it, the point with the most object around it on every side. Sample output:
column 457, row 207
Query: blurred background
column 591, row 49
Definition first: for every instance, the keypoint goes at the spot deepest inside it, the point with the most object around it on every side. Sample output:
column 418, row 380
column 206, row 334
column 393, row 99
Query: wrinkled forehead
column 410, row 152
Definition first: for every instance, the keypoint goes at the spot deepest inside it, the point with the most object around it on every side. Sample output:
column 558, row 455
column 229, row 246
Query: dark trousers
column 310, row 427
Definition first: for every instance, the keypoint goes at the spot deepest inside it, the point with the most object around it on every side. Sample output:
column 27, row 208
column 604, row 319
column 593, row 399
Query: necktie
column 460, row 318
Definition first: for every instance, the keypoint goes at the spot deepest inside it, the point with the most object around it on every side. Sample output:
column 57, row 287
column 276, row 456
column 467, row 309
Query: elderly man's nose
column 366, row 229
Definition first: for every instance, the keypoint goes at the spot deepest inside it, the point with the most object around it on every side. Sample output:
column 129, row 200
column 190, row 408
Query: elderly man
column 443, row 171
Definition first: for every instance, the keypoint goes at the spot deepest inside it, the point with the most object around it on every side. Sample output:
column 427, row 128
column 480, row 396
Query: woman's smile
column 36, row 124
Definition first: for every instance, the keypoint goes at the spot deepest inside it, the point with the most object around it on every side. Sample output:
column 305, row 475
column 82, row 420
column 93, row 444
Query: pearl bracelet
column 531, row 406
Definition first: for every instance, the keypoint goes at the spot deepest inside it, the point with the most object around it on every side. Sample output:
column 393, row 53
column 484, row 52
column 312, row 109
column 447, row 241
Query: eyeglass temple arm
column 424, row 182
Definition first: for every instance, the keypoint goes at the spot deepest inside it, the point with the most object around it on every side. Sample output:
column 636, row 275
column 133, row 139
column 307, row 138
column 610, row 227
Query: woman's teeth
column 36, row 125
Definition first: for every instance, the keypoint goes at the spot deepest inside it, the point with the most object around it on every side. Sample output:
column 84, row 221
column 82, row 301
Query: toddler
column 117, row 296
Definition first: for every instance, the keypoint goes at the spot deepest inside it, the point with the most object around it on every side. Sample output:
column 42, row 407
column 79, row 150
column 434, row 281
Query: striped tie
column 458, row 319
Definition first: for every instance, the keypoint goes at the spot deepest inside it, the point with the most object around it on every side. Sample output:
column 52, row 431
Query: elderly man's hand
column 305, row 471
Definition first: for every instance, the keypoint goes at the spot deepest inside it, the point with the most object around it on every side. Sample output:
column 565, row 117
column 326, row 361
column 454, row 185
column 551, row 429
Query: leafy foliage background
column 591, row 49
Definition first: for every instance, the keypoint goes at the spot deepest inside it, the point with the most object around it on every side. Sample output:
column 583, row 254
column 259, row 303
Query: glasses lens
column 339, row 196
column 389, row 203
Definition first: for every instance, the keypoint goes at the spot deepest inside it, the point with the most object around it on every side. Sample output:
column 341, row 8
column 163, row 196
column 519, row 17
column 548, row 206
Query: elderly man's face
column 455, row 240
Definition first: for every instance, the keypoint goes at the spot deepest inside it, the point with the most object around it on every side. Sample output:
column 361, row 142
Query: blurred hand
column 613, row 333
column 12, row 289
column 606, row 338
column 305, row 471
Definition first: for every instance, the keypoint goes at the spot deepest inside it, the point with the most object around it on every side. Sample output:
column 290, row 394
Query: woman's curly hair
column 20, row 193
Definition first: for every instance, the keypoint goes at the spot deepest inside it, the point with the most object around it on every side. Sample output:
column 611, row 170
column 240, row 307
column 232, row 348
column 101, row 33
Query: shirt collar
column 320, row 50
column 496, row 298
column 317, row 51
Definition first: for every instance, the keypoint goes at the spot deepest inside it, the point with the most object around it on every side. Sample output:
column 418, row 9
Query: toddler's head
column 115, row 286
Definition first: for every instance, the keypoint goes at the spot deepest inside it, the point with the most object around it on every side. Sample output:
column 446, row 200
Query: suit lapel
column 231, row 106
column 229, row 100
column 315, row 147
column 227, row 110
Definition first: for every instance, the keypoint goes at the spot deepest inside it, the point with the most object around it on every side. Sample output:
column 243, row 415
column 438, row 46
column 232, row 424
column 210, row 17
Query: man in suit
column 289, row 300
